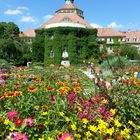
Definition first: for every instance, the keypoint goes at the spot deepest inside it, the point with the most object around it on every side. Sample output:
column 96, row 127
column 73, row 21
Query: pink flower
column 12, row 114
column 11, row 135
column 66, row 136
column 30, row 121
column 20, row 136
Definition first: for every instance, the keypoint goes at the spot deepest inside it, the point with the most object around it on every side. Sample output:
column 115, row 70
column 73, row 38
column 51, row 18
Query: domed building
column 67, row 16
column 66, row 39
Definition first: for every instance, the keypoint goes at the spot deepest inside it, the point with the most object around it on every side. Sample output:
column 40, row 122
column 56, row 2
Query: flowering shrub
column 51, row 104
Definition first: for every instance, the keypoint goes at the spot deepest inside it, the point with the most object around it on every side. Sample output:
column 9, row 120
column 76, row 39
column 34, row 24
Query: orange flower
column 65, row 84
column 10, row 94
column 50, row 89
column 77, row 89
column 18, row 93
column 16, row 85
column 1, row 97
column 32, row 89
column 119, row 136
column 59, row 83
column 63, row 89
column 21, row 75
column 37, row 80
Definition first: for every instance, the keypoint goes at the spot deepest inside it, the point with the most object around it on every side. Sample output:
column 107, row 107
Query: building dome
column 67, row 16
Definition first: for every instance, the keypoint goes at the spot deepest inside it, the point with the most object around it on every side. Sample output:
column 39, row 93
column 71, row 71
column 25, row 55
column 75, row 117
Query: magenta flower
column 30, row 121
column 103, row 108
column 82, row 115
column 12, row 114
column 71, row 97
column 91, row 116
column 20, row 136
column 66, row 136
column 107, row 114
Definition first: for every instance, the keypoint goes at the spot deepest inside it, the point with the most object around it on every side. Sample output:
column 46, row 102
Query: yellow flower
column 110, row 131
column 85, row 121
column 79, row 130
column 84, row 126
column 130, row 122
column 68, row 138
column 105, row 101
column 137, row 135
column 93, row 128
column 44, row 113
column 113, row 111
column 46, row 123
column 117, row 123
column 73, row 127
column 61, row 114
column 6, row 121
column 88, row 134
column 111, row 118
column 12, row 128
column 49, row 138
column 41, row 139
column 77, row 135
column 67, row 119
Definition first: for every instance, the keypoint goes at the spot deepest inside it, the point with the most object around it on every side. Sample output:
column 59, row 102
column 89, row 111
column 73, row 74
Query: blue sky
column 119, row 14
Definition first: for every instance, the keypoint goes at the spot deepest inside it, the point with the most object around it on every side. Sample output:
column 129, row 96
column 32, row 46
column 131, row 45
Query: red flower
column 52, row 98
column 39, row 126
column 19, row 122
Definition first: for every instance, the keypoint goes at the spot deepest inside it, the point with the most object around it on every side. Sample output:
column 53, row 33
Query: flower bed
column 51, row 104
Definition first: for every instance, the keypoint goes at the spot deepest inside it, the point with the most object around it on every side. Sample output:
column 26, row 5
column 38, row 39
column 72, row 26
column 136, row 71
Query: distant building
column 28, row 36
column 132, row 38
column 71, row 16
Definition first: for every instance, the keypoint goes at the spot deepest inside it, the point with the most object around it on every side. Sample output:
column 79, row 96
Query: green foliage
column 12, row 49
column 38, row 46
column 80, row 43
column 116, row 62
column 130, row 51
column 4, row 64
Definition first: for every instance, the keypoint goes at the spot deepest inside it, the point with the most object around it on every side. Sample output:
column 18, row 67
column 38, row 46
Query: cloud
column 18, row 11
column 13, row 12
column 114, row 25
column 47, row 17
column 22, row 8
column 94, row 25
column 27, row 19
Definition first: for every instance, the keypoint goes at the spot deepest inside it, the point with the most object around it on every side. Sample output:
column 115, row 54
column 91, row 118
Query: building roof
column 28, row 33
column 60, row 17
column 133, row 36
column 109, row 32
column 68, row 6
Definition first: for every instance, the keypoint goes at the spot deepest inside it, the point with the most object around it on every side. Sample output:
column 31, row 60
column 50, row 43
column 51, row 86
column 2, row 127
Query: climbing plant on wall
column 80, row 44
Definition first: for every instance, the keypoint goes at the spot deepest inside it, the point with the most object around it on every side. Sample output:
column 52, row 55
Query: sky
column 118, row 14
